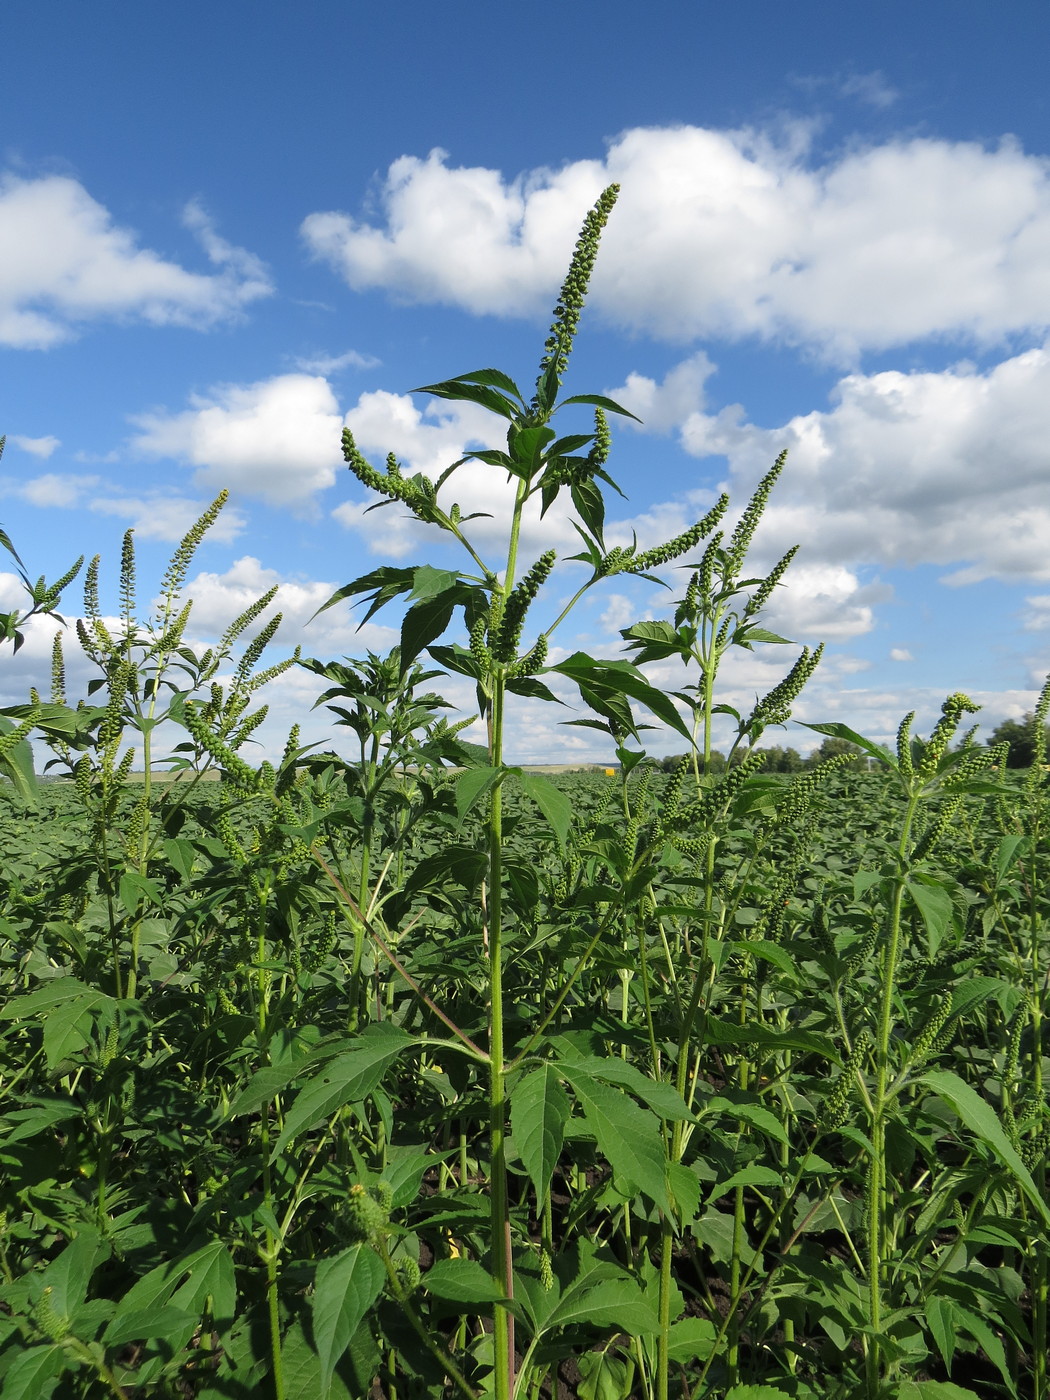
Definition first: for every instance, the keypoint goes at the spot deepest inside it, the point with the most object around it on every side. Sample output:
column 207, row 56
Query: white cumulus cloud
column 65, row 262
column 36, row 447
column 727, row 233
column 946, row 467
column 277, row 439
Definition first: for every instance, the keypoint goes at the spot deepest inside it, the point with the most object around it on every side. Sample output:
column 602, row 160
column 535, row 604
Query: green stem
column 876, row 1194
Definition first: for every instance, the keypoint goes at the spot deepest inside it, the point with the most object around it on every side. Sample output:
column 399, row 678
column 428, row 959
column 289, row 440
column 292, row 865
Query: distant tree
column 830, row 748
column 781, row 760
column 718, row 762
column 1019, row 734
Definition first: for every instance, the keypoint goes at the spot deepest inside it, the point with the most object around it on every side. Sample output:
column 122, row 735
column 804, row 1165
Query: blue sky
column 227, row 229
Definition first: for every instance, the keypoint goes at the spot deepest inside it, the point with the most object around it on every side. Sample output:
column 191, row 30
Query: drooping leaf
column 843, row 731
column 34, row 1373
column 600, row 401
column 555, row 805
column 539, row 1110
column 347, row 1079
column 627, row 1136
column 473, row 785
column 345, row 1287
column 941, row 1321
column 753, row 1175
column 462, row 390
column 934, row 1390
column 462, row 1281
column 934, row 903
column 604, row 1375
column 17, row 765
column 981, row 1119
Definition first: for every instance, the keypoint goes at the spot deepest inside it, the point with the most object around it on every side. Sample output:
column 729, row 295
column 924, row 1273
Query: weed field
column 415, row 1074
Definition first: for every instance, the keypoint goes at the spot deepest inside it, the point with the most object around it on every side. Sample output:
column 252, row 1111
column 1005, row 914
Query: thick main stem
column 876, row 1203
column 502, row 1259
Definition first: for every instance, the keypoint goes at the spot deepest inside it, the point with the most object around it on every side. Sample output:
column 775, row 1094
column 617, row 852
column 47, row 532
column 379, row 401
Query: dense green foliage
column 417, row 1074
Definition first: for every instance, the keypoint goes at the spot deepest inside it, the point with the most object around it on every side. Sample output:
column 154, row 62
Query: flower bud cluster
column 930, row 1035
column 216, row 748
column 532, row 661
column 936, row 830
column 835, row 1109
column 390, row 484
column 365, row 1217
column 775, row 708
column 681, row 544
column 506, row 637
column 820, row 930
column 50, row 1321
column 741, row 538
column 863, row 951
column 764, row 591
column 558, row 345
column 175, row 576
column 14, row 737
column 952, row 711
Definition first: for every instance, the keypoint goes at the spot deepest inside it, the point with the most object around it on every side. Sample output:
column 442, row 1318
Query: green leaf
column 68, row 1029
column 428, row 582
column 69, row 1274
column 754, row 1175
column 939, row 1317
column 934, row 903
column 426, row 621
column 17, row 765
column 691, row 1339
column 463, row 391
column 661, row 1097
column 843, row 731
column 539, row 1110
column 345, row 1287
column 980, row 1118
column 600, row 401
column 604, row 1375
column 555, row 805
column 472, row 785
column 607, row 686
column 181, row 855
column 495, row 378
column 756, row 1114
column 136, row 889
column 211, row 1278
column 615, row 1302
column 462, row 1281
column 346, row 1079
column 34, row 1373
column 934, row 1390
column 968, row 1321
column 166, row 1324
column 52, row 995
column 756, row 1392
column 627, row 1136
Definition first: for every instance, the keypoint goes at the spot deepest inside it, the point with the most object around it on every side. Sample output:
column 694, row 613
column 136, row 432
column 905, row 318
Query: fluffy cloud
column 727, row 233
column 277, row 439
column 947, row 468
column 219, row 598
column 36, row 447
column 332, row 364
column 64, row 262
column 156, row 515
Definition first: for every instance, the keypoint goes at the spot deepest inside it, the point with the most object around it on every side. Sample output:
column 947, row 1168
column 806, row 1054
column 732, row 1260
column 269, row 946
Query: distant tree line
column 774, row 759
column 1019, row 734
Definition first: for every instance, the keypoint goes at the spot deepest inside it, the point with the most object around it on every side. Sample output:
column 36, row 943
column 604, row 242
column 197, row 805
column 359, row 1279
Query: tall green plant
column 495, row 597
